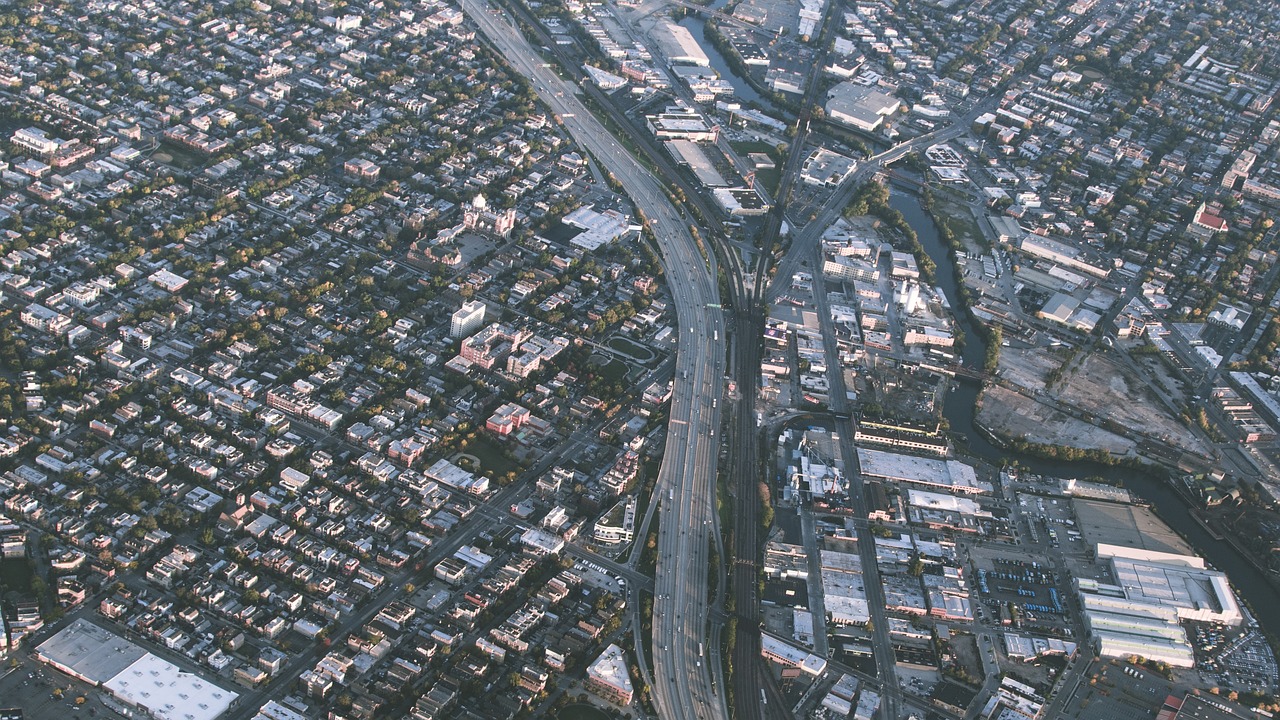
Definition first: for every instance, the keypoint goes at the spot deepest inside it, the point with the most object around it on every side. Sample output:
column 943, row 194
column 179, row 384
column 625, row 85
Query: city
column 639, row 359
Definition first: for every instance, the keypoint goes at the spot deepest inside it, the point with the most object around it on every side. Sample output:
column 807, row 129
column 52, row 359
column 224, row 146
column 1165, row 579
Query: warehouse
column 100, row 657
column 1155, row 592
column 678, row 45
column 860, row 106
column 946, row 475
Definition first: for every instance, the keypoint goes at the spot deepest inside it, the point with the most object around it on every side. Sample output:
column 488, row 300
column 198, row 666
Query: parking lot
column 1037, row 591
column 45, row 693
column 1121, row 692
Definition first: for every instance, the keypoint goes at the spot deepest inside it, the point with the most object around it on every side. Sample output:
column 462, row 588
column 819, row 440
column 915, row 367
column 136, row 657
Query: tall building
column 467, row 319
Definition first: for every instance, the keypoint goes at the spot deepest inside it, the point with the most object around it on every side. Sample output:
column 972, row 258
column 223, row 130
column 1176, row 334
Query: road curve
column 686, row 481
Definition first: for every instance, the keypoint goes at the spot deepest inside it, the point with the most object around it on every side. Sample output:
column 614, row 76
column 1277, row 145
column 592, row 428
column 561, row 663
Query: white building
column 1155, row 592
column 466, row 319
column 679, row 45
column 860, row 106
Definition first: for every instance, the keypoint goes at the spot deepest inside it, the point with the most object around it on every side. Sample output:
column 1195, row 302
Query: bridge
column 958, row 371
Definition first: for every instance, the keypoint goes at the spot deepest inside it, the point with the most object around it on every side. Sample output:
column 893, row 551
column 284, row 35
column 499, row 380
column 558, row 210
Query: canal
column 961, row 405
column 742, row 89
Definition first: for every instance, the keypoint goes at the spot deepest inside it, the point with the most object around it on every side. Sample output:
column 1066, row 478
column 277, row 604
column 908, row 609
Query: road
column 881, row 646
column 806, row 239
column 686, row 480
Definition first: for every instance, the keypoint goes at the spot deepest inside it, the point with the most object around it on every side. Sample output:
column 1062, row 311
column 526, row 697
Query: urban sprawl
column 639, row 359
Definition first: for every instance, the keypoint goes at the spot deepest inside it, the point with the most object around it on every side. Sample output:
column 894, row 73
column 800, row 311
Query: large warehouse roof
column 951, row 475
column 99, row 656
column 90, row 652
column 678, row 44
column 168, row 692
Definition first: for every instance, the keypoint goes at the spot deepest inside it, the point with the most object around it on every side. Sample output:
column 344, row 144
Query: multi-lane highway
column 682, row 680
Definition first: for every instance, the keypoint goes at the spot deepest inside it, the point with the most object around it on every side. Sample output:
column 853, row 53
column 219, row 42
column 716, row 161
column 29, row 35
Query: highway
column 686, row 481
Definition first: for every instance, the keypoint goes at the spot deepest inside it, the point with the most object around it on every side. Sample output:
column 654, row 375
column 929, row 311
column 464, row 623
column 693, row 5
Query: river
column 962, row 402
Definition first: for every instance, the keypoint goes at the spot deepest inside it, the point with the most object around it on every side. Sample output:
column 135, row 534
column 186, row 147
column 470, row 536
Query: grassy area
column 960, row 220
column 16, row 574
column 632, row 348
column 491, row 455
column 614, row 371
column 179, row 156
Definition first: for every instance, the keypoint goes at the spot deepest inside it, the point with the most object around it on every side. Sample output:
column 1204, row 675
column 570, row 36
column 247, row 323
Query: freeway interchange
column 682, row 680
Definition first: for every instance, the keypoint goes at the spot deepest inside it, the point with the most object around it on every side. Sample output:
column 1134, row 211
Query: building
column 477, row 216
column 681, row 123
column 950, row 476
column 608, row 677
column 466, row 319
column 36, row 141
column 362, row 169
column 492, row 344
column 155, row 686
column 1206, row 707
column 617, row 525
column 859, row 106
column 1060, row 253
column 741, row 201
column 598, row 228
column 849, row 269
column 678, row 45
column 1154, row 593
column 507, row 419
column 43, row 319
column 541, row 542
column 826, row 168
column 783, row 653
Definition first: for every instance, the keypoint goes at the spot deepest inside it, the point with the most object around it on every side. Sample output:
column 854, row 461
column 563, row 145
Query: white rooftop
column 952, row 475
column 168, row 692
column 611, row 669
column 941, row 501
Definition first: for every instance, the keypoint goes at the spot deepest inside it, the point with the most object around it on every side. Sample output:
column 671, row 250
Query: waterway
column 961, row 405
column 742, row 89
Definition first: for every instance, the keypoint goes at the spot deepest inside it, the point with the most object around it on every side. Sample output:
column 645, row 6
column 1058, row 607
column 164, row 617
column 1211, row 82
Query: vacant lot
column 1014, row 415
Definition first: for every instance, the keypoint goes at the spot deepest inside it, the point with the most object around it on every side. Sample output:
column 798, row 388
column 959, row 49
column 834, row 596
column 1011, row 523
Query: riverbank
column 1150, row 484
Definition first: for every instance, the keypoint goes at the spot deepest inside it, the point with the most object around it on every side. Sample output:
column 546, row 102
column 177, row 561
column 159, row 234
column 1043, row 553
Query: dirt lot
column 1108, row 389
column 1014, row 415
column 1027, row 367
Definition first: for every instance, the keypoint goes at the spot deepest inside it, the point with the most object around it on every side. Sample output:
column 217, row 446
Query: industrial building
column 681, row 123
column 783, row 653
column 1060, row 253
column 100, row 657
column 678, row 45
column 860, row 106
column 1154, row 593
column 598, row 228
column 741, row 201
column 945, row 475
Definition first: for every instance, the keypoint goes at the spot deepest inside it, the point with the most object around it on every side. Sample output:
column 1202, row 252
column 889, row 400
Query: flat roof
column 90, row 651
column 611, row 669
column 134, row 675
column 1104, row 523
column 168, row 692
column 942, row 501
column 691, row 154
column 950, row 474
